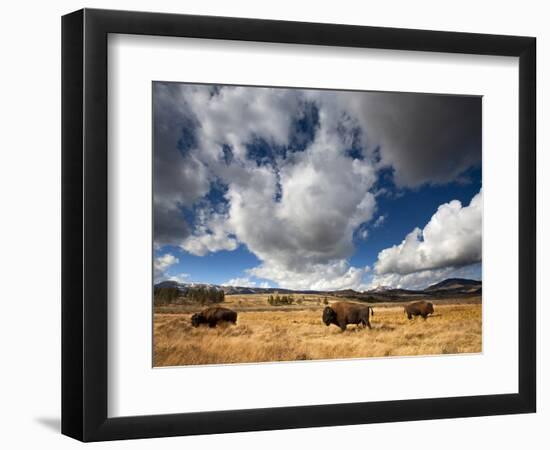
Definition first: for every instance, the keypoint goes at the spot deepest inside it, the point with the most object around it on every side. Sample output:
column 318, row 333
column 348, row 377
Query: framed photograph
column 273, row 224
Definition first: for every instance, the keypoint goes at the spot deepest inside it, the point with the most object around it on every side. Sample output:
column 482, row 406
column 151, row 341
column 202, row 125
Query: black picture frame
column 84, row 224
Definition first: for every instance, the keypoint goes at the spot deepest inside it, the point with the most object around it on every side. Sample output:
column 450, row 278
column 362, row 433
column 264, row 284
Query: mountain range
column 449, row 288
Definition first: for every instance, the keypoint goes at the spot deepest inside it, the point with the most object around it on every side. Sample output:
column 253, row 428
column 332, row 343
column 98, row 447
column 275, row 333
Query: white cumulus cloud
column 329, row 276
column 299, row 209
column 452, row 238
column 180, row 277
column 162, row 263
column 423, row 278
column 212, row 234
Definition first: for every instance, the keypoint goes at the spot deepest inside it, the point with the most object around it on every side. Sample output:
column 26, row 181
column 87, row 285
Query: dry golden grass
column 264, row 333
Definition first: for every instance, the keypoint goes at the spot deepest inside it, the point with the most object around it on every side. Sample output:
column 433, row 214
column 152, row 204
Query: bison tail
column 371, row 310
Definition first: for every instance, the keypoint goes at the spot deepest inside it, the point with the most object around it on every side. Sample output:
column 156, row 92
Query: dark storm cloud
column 170, row 227
column 425, row 138
column 179, row 178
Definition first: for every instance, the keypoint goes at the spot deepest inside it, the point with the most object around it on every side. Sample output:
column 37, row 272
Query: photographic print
column 294, row 224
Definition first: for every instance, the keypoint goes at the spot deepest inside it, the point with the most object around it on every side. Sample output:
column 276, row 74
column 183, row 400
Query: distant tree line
column 204, row 295
column 166, row 295
column 201, row 295
column 280, row 300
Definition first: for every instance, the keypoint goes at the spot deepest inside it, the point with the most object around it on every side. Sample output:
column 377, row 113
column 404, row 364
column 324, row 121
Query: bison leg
column 212, row 324
column 424, row 316
column 342, row 323
column 409, row 316
column 368, row 325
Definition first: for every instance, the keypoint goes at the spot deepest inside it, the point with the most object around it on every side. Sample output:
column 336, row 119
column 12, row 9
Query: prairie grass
column 296, row 332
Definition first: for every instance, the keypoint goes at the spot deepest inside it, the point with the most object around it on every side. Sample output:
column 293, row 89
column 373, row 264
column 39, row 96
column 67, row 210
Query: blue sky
column 413, row 208
column 312, row 189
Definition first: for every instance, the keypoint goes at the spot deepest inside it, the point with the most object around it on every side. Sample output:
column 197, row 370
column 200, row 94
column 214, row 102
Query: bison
column 420, row 308
column 342, row 313
column 212, row 316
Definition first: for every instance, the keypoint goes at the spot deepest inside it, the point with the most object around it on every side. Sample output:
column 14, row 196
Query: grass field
column 290, row 333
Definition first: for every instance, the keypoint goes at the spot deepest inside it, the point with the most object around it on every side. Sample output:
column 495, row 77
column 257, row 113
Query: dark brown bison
column 212, row 316
column 420, row 308
column 342, row 313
